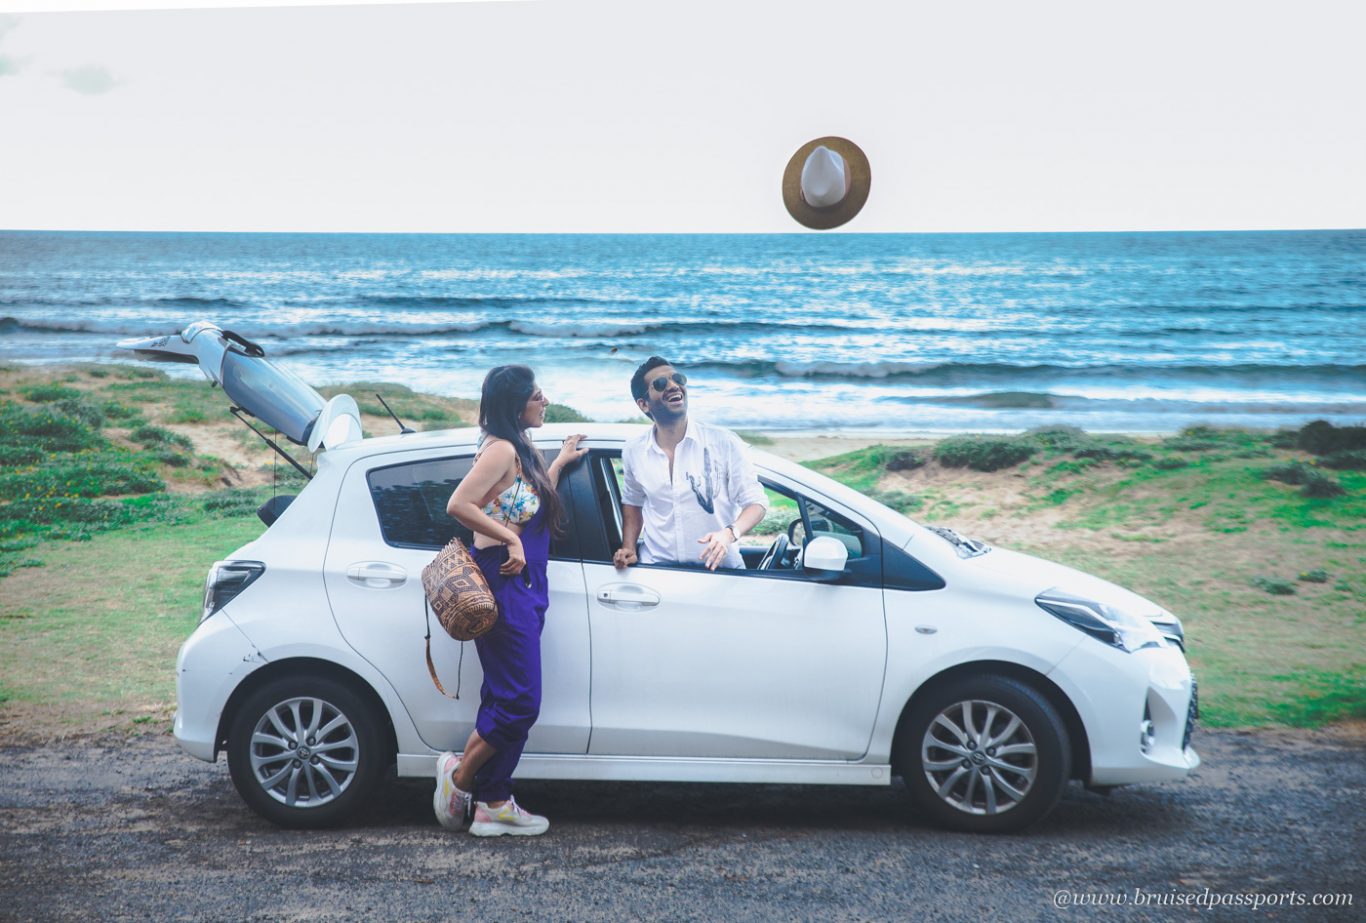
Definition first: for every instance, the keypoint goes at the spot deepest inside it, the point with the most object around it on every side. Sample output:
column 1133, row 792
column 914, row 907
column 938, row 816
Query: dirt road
column 141, row 831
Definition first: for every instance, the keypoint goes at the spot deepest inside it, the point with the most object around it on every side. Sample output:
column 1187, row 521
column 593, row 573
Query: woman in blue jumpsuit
column 509, row 500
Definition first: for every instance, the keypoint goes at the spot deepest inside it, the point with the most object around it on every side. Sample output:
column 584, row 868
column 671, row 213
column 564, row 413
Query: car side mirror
column 824, row 558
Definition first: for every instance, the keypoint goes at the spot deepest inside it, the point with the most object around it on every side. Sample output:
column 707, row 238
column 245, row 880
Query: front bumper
column 1115, row 693
column 211, row 664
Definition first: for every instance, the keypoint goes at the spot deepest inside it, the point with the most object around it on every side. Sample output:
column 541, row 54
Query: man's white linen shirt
column 713, row 480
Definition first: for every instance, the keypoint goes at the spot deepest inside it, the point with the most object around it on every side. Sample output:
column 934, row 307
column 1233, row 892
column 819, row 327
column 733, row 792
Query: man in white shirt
column 690, row 485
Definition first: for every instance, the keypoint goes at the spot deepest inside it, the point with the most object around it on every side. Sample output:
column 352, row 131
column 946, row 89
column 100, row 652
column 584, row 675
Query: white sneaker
column 507, row 818
column 452, row 806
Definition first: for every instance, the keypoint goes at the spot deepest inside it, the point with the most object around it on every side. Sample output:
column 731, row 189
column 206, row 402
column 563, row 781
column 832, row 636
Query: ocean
column 915, row 333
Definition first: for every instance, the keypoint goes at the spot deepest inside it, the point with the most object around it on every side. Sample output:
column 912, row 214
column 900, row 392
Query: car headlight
column 1127, row 631
column 226, row 580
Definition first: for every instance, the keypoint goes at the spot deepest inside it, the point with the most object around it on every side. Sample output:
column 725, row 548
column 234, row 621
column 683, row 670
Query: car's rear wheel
column 305, row 751
column 985, row 754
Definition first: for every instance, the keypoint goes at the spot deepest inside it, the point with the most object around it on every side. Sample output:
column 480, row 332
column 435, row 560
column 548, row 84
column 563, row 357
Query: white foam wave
column 852, row 369
column 566, row 331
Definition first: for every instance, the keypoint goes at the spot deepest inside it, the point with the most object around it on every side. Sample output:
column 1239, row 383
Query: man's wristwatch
column 733, row 533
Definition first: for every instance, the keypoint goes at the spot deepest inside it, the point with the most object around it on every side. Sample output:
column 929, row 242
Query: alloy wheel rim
column 979, row 757
column 304, row 752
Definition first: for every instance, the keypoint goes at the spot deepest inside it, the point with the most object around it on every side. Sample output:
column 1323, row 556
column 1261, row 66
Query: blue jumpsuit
column 510, row 697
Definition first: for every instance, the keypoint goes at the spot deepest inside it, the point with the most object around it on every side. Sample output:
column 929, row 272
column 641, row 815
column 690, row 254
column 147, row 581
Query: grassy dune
column 119, row 486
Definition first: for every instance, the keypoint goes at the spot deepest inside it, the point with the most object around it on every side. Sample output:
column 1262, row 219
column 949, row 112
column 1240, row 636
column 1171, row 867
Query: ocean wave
column 463, row 302
column 14, row 325
column 1024, row 400
column 162, row 301
column 948, row 372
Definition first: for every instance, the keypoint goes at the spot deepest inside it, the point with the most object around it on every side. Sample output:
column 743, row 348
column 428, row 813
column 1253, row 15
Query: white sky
column 560, row 115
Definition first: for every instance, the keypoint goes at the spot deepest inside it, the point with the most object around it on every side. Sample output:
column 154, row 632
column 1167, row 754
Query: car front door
column 390, row 522
column 730, row 664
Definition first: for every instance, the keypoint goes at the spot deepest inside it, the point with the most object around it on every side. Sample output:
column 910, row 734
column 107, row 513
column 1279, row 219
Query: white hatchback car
column 856, row 647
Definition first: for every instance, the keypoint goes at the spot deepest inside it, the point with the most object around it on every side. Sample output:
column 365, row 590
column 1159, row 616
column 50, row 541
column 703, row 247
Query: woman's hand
column 516, row 559
column 569, row 453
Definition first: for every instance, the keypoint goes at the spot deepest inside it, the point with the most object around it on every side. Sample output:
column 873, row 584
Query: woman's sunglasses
column 661, row 383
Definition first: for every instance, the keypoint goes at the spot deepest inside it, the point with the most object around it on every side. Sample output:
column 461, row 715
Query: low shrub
column 1058, row 437
column 1314, row 576
column 905, row 460
column 113, row 410
column 1284, row 439
column 1169, row 463
column 755, row 438
column 1289, row 473
column 775, row 521
column 1319, row 485
column 1204, row 438
column 44, row 428
column 560, row 413
column 159, row 437
column 43, row 394
column 1274, row 586
column 52, row 510
column 899, row 500
column 1113, row 453
column 171, row 458
column 187, row 415
column 1345, row 460
column 91, row 475
column 82, row 410
column 233, row 502
column 1323, row 438
column 14, row 455
column 984, row 453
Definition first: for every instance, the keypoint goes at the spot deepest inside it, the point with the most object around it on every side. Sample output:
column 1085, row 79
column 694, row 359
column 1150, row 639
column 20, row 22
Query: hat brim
column 823, row 219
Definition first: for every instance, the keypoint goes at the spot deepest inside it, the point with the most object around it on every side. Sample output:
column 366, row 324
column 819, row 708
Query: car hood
column 1030, row 575
column 274, row 395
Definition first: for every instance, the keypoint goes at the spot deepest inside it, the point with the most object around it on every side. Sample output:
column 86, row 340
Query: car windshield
column 275, row 396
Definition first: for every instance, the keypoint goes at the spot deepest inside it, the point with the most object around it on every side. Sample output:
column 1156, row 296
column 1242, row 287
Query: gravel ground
column 140, row 831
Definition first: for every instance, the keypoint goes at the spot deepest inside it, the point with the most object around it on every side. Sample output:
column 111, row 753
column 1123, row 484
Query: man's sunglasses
column 661, row 384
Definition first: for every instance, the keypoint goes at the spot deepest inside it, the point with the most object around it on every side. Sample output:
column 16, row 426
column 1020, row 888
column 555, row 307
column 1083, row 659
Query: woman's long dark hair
column 506, row 390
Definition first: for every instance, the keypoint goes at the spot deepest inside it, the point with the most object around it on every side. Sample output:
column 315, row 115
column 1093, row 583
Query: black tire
column 343, row 764
column 998, row 767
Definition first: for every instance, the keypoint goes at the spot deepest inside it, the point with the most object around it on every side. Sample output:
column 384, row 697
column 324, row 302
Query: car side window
column 864, row 546
column 410, row 502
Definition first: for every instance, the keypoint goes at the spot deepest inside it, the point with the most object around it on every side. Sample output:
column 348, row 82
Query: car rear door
column 390, row 522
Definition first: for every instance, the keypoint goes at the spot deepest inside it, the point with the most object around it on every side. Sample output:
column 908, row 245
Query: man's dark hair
column 638, row 386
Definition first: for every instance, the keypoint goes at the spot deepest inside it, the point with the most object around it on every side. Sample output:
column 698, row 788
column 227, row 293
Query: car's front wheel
column 305, row 751
column 986, row 754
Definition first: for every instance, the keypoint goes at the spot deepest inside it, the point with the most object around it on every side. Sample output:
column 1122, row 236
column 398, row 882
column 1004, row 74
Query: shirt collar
column 689, row 432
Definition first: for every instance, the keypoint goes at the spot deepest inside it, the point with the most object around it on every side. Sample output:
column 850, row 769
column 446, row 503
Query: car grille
column 1192, row 713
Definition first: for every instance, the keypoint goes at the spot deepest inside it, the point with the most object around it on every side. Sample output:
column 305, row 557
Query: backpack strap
column 431, row 667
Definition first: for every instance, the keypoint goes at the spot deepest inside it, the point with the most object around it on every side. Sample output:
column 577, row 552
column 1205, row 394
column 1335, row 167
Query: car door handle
column 376, row 575
column 628, row 596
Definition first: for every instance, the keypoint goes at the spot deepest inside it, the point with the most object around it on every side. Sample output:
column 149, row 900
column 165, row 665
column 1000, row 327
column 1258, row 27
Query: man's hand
column 714, row 547
column 624, row 557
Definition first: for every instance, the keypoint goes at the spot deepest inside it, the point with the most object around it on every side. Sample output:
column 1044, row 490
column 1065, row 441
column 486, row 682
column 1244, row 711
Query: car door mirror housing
column 824, row 558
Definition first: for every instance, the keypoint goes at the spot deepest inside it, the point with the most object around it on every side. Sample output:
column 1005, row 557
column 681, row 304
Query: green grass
column 91, row 637
column 860, row 469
